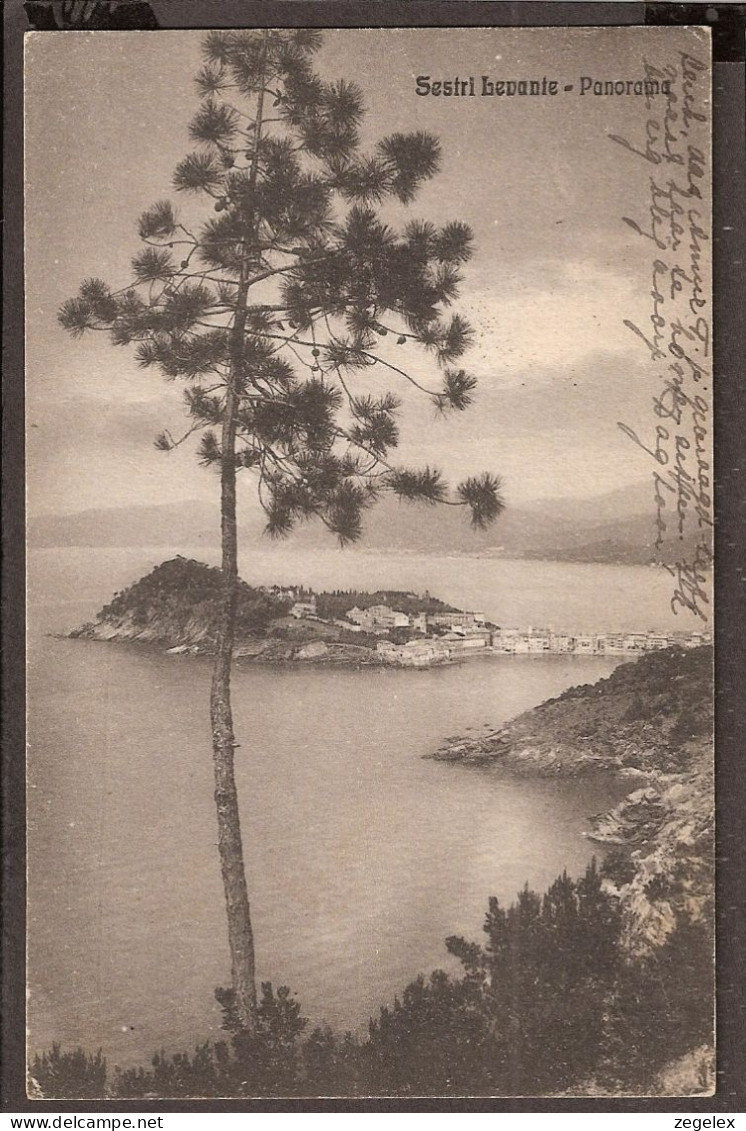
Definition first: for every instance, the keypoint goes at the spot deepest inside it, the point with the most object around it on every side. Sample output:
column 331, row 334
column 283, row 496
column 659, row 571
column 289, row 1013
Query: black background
column 728, row 24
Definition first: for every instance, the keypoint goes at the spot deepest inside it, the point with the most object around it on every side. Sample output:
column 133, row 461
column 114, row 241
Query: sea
column 362, row 854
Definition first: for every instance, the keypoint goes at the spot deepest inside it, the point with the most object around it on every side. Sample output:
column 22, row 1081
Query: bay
column 574, row 596
column 362, row 856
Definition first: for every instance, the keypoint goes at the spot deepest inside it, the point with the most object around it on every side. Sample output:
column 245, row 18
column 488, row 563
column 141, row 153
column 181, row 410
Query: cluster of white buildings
column 453, row 634
column 383, row 618
column 424, row 651
column 283, row 592
column 516, row 640
column 304, row 608
column 377, row 617
column 442, row 636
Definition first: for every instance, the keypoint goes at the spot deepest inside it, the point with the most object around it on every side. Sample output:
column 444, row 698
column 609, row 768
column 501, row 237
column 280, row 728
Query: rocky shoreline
column 648, row 715
column 650, row 721
column 261, row 650
column 176, row 609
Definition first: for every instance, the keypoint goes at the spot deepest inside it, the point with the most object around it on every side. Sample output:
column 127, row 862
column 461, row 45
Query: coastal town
column 424, row 638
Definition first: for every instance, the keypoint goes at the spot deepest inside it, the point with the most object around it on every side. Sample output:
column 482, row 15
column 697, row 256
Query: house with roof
column 356, row 615
column 385, row 617
column 304, row 608
column 378, row 617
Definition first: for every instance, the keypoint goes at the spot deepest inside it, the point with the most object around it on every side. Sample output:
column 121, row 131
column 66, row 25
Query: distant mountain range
column 616, row 527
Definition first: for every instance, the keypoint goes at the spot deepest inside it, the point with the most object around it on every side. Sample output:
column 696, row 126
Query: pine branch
column 165, row 442
column 152, row 264
column 211, row 80
column 418, row 486
column 213, row 124
column 482, row 494
column 293, row 209
column 356, row 270
column 458, row 386
column 453, row 243
column 210, row 453
column 157, row 221
column 198, row 172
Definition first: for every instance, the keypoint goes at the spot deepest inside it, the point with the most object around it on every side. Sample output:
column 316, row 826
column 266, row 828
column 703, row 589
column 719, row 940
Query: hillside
column 649, row 714
column 176, row 606
column 192, row 523
column 614, row 527
column 622, row 541
column 651, row 719
column 337, row 603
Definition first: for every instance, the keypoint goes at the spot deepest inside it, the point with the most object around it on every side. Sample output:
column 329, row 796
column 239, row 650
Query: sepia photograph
column 369, row 563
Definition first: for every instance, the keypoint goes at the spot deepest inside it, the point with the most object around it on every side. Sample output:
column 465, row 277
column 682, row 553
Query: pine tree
column 278, row 311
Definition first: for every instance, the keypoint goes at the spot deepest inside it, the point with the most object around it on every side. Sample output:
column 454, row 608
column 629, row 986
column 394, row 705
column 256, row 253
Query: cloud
column 548, row 433
column 83, row 452
column 551, row 319
column 556, row 368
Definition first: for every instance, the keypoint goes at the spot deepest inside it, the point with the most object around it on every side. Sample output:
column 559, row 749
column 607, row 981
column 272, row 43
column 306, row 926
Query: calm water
column 362, row 856
column 574, row 596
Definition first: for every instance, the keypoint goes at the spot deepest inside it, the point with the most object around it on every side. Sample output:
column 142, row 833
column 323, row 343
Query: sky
column 554, row 275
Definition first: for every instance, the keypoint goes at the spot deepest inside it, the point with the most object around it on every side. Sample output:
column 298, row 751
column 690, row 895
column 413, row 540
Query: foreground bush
column 549, row 1003
column 69, row 1075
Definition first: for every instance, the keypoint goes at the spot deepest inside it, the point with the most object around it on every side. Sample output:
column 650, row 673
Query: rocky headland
column 175, row 608
column 652, row 721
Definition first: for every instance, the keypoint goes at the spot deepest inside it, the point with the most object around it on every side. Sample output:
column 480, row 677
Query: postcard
column 369, row 402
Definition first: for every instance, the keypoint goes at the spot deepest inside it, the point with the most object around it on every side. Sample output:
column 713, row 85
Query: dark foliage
column 331, row 605
column 180, row 594
column 659, row 705
column 183, row 596
column 618, row 867
column 265, row 1062
column 69, row 1075
column 662, row 1006
column 527, row 1018
column 548, row 1003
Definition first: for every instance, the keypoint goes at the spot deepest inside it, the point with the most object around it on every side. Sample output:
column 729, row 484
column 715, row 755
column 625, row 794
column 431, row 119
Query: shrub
column 549, row 1002
column 69, row 1075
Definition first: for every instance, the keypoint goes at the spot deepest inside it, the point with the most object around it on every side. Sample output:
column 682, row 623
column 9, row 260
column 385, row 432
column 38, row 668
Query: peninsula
column 175, row 608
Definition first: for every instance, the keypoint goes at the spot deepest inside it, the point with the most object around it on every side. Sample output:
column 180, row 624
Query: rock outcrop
column 651, row 720
column 665, row 831
column 176, row 607
column 649, row 715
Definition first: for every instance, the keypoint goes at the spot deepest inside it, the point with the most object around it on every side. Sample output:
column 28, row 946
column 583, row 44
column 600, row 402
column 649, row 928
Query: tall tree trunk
column 230, row 847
